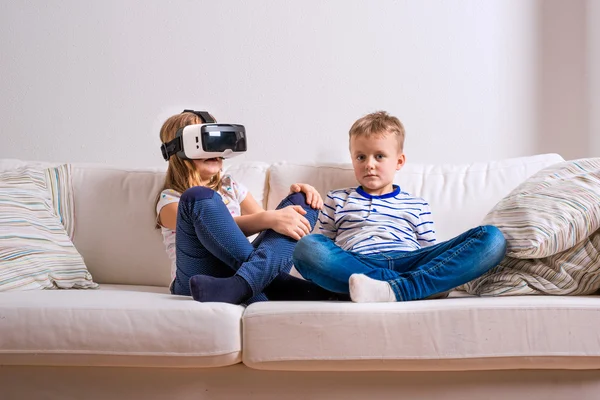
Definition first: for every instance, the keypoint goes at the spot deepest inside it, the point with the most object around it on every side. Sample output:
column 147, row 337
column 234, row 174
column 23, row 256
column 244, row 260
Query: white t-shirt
column 232, row 193
column 366, row 224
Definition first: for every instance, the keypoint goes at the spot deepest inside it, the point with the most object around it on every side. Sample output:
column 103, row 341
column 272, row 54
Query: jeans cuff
column 396, row 288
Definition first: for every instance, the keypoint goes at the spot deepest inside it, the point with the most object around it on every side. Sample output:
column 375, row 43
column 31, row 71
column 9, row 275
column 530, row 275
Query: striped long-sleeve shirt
column 362, row 223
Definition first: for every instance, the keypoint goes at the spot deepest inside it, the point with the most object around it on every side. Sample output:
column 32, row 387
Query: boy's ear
column 401, row 161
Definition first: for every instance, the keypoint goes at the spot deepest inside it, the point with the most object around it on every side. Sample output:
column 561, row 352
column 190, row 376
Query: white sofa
column 132, row 339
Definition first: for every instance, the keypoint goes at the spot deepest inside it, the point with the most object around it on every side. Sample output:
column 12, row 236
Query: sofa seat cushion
column 117, row 325
column 466, row 333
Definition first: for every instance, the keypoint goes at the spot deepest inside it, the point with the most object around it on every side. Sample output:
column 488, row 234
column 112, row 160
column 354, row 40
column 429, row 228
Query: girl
column 205, row 217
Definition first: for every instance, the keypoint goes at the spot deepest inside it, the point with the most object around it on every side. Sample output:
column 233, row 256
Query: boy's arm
column 326, row 222
column 425, row 230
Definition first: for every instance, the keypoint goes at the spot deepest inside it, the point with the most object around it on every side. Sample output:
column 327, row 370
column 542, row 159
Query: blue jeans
column 209, row 242
column 412, row 275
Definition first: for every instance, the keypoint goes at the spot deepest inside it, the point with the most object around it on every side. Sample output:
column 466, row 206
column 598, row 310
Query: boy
column 378, row 243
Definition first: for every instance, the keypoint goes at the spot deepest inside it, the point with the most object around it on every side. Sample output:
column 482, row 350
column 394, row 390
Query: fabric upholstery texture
column 36, row 225
column 144, row 325
column 116, row 218
column 552, row 211
column 551, row 224
column 117, row 325
column 454, row 333
column 572, row 272
column 460, row 195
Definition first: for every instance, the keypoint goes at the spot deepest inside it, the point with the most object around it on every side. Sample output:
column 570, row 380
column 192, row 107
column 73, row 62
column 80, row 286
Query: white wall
column 93, row 81
column 593, row 26
column 563, row 80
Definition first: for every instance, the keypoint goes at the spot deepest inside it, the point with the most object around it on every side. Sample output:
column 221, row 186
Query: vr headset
column 207, row 140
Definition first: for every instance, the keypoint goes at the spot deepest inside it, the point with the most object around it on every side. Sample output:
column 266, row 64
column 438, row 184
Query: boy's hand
column 290, row 221
column 313, row 198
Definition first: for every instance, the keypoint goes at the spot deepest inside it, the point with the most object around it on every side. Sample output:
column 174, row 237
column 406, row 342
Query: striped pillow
column 572, row 272
column 552, row 211
column 36, row 226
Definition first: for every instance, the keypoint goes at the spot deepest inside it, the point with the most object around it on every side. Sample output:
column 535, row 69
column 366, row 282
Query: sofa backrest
column 115, row 220
column 459, row 195
column 115, row 207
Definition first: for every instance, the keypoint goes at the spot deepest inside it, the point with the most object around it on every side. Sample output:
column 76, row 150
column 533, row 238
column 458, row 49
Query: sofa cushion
column 552, row 211
column 115, row 220
column 459, row 195
column 7, row 164
column 36, row 220
column 117, row 325
column 451, row 334
column 572, row 272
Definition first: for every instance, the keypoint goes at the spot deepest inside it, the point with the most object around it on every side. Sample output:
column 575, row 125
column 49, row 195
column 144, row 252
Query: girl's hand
column 290, row 221
column 313, row 198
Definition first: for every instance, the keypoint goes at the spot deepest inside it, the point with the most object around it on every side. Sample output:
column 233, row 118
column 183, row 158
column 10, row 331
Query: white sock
column 366, row 290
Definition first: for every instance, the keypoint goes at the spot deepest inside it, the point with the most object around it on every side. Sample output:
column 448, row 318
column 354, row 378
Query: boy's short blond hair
column 379, row 123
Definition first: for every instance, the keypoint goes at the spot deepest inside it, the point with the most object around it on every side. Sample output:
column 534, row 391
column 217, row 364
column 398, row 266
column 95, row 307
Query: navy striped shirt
column 362, row 223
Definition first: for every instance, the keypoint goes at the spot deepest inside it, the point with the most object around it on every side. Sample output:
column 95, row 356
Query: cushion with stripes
column 36, row 228
column 552, row 211
column 572, row 272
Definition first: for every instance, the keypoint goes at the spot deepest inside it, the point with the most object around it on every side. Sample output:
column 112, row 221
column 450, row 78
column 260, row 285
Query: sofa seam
column 412, row 312
column 113, row 353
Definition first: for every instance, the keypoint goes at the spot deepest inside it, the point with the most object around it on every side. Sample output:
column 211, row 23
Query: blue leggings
column 209, row 242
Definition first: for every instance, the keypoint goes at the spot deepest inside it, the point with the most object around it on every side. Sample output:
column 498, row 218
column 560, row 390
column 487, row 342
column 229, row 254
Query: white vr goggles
column 207, row 140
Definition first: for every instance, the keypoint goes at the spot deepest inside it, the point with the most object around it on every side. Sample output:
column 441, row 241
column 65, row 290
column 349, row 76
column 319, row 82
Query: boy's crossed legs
column 400, row 275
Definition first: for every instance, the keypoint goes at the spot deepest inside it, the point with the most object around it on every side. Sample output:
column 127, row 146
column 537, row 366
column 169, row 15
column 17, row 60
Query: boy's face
column 375, row 160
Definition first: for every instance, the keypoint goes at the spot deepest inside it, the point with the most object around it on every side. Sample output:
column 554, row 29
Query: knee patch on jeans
column 298, row 199
column 197, row 193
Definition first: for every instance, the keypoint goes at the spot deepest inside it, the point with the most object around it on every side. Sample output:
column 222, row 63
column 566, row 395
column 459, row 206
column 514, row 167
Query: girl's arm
column 254, row 218
column 288, row 221
column 168, row 216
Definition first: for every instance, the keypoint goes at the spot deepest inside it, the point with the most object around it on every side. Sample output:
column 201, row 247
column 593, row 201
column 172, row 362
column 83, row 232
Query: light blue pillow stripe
column 551, row 223
column 36, row 226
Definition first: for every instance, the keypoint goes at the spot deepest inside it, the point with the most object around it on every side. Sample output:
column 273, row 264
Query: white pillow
column 552, row 211
column 36, row 220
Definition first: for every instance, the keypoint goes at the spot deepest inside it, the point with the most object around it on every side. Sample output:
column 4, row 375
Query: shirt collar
column 393, row 193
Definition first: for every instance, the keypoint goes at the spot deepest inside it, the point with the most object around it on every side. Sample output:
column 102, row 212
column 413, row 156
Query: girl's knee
column 199, row 199
column 197, row 193
column 297, row 199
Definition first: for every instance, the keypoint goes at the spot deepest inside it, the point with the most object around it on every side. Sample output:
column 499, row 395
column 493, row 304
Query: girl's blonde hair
column 182, row 174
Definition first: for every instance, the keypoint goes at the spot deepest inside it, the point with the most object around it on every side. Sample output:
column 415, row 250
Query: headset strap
column 171, row 148
column 174, row 146
column 206, row 117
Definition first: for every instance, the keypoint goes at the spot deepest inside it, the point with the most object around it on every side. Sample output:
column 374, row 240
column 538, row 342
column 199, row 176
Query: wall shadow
column 563, row 79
